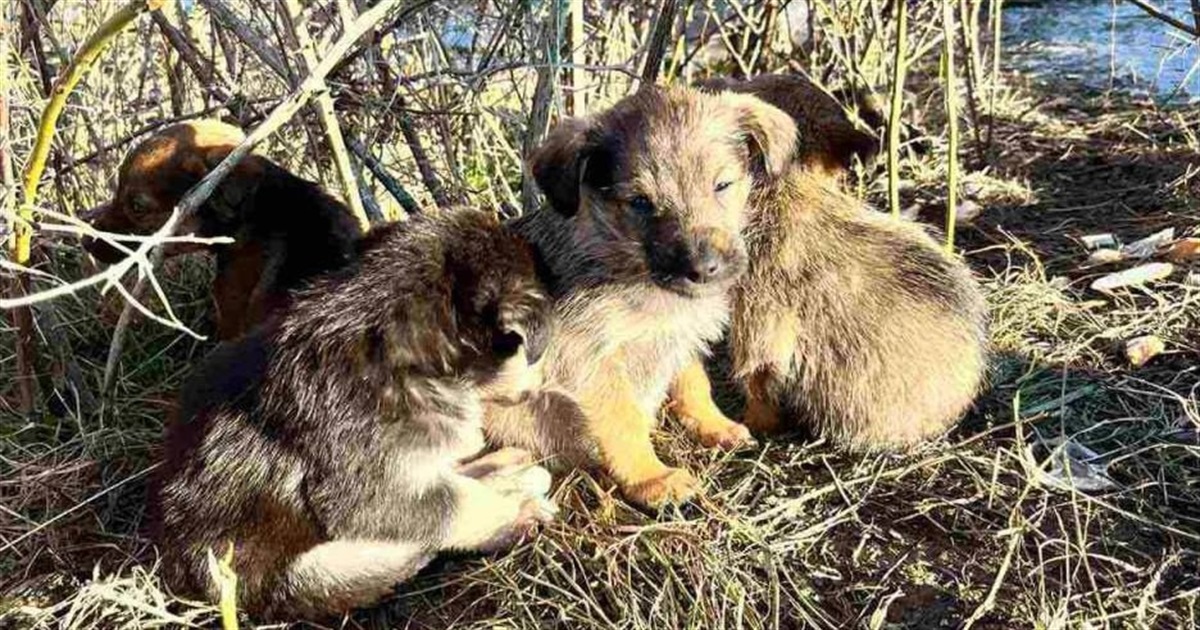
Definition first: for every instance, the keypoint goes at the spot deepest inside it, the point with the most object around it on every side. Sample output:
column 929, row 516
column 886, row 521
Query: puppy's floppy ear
column 557, row 165
column 239, row 186
column 770, row 132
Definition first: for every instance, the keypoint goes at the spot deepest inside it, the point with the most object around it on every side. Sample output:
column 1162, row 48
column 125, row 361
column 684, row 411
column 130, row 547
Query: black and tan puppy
column 827, row 139
column 324, row 446
column 643, row 243
column 285, row 229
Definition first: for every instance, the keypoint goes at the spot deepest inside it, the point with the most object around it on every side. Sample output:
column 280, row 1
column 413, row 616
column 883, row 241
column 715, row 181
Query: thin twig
column 251, row 38
column 21, row 319
column 539, row 114
column 899, row 69
column 656, row 49
column 324, row 108
column 577, row 103
column 429, row 175
column 383, row 177
column 948, row 70
column 215, row 83
column 1159, row 15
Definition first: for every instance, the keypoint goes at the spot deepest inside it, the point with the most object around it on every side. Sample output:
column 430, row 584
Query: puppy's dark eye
column 721, row 186
column 642, row 206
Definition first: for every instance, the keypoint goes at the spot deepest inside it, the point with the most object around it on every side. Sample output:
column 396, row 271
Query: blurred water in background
column 1105, row 45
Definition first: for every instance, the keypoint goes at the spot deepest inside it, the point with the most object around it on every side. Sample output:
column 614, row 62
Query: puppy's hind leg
column 692, row 404
column 762, row 411
column 339, row 576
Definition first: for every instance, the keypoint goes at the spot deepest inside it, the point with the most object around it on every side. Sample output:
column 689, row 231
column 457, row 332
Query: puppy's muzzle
column 712, row 257
column 696, row 261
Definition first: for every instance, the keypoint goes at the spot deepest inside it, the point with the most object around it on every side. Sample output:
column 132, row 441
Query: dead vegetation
column 1068, row 498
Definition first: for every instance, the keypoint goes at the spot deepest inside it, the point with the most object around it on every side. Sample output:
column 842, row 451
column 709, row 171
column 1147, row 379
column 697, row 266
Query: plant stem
column 951, row 91
column 23, row 229
column 325, row 112
column 899, row 69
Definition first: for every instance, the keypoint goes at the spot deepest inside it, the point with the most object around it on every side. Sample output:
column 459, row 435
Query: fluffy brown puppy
column 285, row 229
column 827, row 139
column 852, row 322
column 642, row 242
column 324, row 446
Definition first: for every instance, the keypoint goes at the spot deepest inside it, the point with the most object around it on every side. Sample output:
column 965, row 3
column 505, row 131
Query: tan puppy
column 642, row 242
column 850, row 321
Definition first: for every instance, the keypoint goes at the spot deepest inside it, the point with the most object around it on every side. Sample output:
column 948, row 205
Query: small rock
column 967, row 211
column 1139, row 350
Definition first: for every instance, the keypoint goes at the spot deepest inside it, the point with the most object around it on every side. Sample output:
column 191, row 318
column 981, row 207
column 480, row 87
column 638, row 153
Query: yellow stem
column 91, row 49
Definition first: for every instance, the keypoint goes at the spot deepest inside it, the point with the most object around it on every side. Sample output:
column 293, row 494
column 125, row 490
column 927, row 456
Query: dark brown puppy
column 285, row 229
column 643, row 242
column 324, row 446
column 827, row 139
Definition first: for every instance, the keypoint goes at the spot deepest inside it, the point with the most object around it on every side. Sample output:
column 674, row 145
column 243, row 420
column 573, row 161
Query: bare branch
column 656, row 48
column 324, row 107
column 383, row 177
column 250, row 37
column 1158, row 14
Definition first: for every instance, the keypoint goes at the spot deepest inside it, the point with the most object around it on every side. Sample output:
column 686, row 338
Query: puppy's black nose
column 707, row 263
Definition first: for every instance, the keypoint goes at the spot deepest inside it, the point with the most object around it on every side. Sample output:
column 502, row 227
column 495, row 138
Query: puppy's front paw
column 533, row 513
column 730, row 436
column 538, row 511
column 534, row 481
column 674, row 487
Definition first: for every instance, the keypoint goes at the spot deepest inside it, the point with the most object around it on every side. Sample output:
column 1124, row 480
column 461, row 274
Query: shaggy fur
column 286, row 229
column 324, row 445
column 853, row 322
column 643, row 243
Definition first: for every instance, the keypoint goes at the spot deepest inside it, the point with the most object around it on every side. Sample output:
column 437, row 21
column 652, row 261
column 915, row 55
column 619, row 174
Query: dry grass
column 970, row 529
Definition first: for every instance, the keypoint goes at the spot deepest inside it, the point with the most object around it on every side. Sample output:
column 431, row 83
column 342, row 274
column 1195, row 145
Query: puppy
column 643, row 242
column 854, row 323
column 285, row 229
column 324, row 445
column 828, row 140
